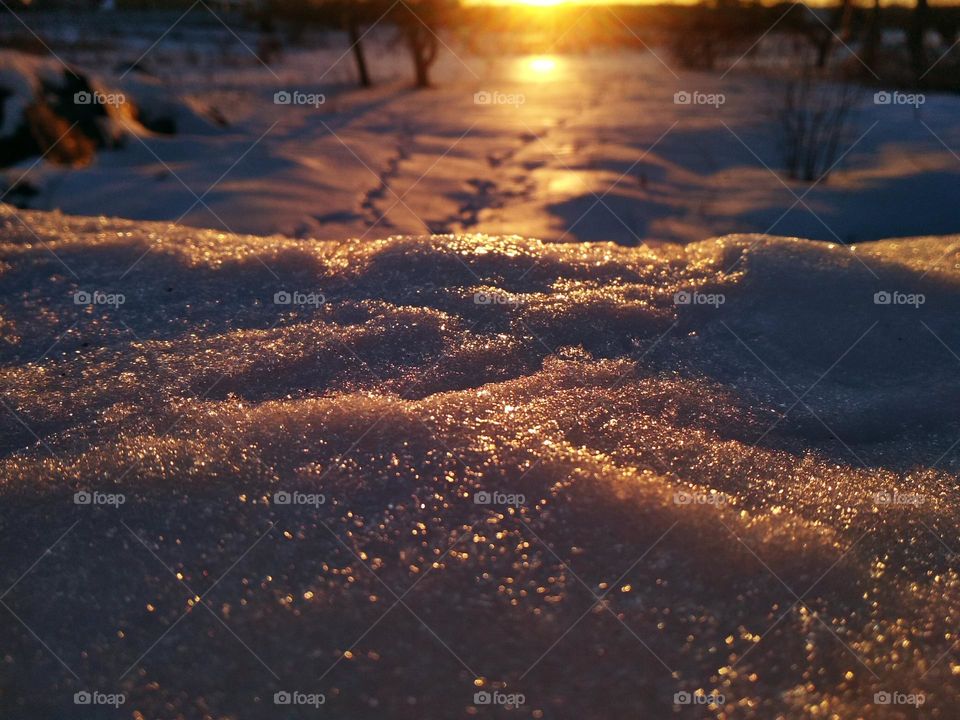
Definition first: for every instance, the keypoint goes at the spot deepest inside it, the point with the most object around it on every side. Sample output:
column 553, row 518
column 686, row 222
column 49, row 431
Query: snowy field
column 573, row 147
column 317, row 431
column 449, row 466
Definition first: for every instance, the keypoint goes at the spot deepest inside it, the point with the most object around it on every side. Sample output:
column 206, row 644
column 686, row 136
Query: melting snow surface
column 462, row 464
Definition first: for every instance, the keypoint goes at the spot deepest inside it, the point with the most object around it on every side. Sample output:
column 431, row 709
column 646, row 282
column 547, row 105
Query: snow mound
column 64, row 114
column 710, row 481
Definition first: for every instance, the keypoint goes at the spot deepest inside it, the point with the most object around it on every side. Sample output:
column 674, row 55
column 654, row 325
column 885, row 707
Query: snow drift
column 64, row 115
column 711, row 481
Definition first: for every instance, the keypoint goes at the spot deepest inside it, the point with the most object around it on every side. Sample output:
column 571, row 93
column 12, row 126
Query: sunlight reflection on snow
column 539, row 68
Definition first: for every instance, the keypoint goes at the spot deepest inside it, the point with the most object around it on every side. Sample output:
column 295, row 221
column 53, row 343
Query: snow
column 676, row 533
column 602, row 126
column 319, row 417
column 20, row 77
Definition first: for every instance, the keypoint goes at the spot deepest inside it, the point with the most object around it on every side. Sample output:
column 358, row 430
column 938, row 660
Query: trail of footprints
column 481, row 193
column 370, row 205
column 487, row 194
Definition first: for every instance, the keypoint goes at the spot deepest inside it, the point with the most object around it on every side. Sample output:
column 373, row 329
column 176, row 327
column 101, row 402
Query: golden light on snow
column 542, row 64
column 575, row 388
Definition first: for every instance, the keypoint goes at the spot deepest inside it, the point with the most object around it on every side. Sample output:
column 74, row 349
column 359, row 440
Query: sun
column 542, row 64
column 525, row 3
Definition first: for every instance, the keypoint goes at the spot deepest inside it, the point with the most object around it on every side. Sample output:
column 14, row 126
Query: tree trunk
column 423, row 47
column 353, row 30
column 839, row 20
column 824, row 46
column 918, row 56
column 871, row 44
column 846, row 21
column 422, row 72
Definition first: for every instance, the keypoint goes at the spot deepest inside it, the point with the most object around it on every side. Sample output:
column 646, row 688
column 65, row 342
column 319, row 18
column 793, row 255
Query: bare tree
column 814, row 118
column 350, row 16
column 915, row 40
column 419, row 22
column 873, row 37
column 713, row 30
column 354, row 15
column 352, row 21
column 821, row 33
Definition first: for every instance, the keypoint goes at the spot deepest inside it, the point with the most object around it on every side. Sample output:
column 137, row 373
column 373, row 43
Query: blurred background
column 567, row 121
